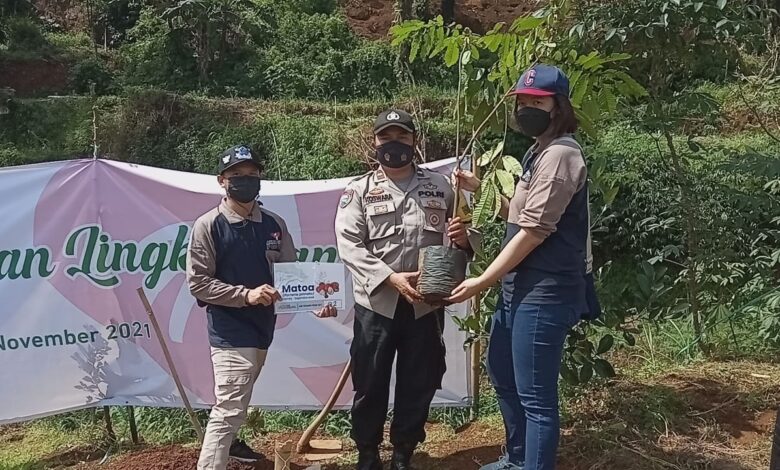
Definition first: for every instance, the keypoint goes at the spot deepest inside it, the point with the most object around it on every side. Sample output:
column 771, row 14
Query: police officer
column 383, row 220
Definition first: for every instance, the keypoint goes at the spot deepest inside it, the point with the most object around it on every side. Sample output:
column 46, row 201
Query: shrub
column 696, row 39
column 91, row 72
column 151, row 58
column 25, row 35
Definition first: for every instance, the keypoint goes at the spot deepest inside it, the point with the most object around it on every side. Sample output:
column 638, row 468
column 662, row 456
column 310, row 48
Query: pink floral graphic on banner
column 128, row 207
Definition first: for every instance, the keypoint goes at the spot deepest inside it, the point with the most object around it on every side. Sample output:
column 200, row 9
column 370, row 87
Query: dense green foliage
column 264, row 48
column 706, row 212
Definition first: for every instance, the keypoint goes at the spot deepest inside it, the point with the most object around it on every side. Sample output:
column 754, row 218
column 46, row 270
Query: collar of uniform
column 380, row 175
column 233, row 217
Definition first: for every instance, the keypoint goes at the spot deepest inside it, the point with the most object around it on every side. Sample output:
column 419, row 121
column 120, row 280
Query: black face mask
column 395, row 154
column 243, row 189
column 532, row 121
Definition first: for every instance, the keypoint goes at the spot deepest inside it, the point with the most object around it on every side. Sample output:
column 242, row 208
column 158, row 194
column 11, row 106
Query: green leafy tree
column 9, row 9
column 488, row 66
column 210, row 28
column 673, row 35
column 698, row 39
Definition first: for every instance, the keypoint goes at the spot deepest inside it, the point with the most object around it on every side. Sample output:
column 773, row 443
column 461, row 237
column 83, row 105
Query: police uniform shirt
column 381, row 226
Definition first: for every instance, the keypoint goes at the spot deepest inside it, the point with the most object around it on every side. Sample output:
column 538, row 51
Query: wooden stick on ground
column 109, row 425
column 303, row 443
column 133, row 425
column 169, row 359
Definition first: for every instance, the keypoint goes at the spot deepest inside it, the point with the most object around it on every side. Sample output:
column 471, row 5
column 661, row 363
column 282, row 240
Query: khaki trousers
column 235, row 373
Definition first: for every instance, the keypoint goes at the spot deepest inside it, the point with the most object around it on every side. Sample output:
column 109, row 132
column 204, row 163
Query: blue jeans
column 524, row 360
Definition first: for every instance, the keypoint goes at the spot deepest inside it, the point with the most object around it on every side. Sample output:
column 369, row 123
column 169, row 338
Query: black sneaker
column 239, row 450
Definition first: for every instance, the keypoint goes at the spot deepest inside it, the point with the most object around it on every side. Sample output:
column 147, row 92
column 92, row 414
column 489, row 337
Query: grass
column 31, row 446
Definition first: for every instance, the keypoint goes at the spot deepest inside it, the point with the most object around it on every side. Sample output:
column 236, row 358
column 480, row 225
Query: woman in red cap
column 543, row 266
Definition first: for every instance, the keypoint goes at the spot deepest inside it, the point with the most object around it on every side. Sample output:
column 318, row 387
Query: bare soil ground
column 715, row 416
column 373, row 18
column 33, row 77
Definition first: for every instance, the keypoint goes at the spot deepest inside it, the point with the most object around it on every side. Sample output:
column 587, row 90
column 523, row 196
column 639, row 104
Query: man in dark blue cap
column 384, row 218
column 230, row 271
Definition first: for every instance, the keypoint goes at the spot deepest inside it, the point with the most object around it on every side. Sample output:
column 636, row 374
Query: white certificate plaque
column 307, row 287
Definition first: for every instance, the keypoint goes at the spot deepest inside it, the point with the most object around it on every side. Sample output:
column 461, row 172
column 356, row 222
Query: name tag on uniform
column 307, row 287
column 379, row 209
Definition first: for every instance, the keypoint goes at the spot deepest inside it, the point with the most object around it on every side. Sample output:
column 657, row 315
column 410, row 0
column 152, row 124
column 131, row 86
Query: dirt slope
column 373, row 18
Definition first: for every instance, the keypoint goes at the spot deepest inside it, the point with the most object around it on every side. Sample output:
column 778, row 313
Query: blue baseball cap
column 542, row 80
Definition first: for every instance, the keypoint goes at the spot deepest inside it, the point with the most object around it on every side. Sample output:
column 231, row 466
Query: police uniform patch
column 380, row 198
column 346, row 198
column 376, row 191
column 380, row 209
column 430, row 186
column 434, row 219
column 433, row 204
column 439, row 194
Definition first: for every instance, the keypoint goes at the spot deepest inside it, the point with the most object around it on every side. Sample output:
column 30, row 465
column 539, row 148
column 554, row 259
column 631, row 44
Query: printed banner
column 77, row 239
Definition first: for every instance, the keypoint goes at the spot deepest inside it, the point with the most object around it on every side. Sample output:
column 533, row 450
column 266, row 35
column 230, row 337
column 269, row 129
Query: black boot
column 368, row 459
column 402, row 457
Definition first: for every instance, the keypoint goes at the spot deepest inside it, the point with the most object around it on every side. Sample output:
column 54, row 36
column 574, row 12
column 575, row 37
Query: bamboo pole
column 476, row 372
column 194, row 419
column 94, row 132
column 476, row 346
